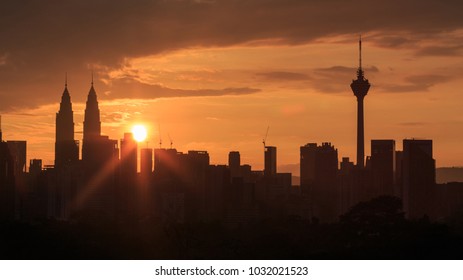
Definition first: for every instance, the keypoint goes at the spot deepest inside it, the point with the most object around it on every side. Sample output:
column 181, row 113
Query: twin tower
column 66, row 148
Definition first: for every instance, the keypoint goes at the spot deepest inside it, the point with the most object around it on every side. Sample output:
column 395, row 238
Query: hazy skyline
column 214, row 74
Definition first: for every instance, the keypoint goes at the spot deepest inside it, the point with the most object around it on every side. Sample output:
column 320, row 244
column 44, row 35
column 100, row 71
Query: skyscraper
column 360, row 88
column 66, row 149
column 308, row 154
column 129, row 156
column 319, row 169
column 270, row 169
column 146, row 161
column 7, row 181
column 92, row 126
column 18, row 152
column 383, row 167
column 234, row 163
column 418, row 178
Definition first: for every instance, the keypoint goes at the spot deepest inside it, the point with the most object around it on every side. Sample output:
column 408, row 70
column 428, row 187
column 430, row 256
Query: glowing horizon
column 218, row 91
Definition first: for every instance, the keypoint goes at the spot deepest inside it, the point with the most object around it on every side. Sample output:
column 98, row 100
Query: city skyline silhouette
column 273, row 75
column 230, row 139
column 108, row 181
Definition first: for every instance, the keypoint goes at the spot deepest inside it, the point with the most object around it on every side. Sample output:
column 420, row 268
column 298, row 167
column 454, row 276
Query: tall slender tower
column 360, row 88
column 66, row 149
column 92, row 124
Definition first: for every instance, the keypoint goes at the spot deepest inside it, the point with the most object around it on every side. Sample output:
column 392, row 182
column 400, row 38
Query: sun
column 139, row 133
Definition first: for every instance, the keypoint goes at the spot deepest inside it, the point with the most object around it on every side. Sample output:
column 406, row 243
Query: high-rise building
column 129, row 150
column 66, row 149
column 181, row 179
column 270, row 169
column 383, row 167
column 100, row 159
column 128, row 198
column 18, row 152
column 308, row 154
column 7, row 181
column 35, row 167
column 319, row 169
column 346, row 181
column 146, row 161
column 360, row 88
column 92, row 127
column 1, row 133
column 319, row 164
column 166, row 164
column 418, row 178
column 234, row 163
column 399, row 155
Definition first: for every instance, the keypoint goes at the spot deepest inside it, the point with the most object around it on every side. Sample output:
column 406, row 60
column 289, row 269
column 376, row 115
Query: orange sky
column 220, row 92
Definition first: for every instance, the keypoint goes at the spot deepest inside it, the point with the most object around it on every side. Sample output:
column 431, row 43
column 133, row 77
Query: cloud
column 283, row 76
column 43, row 39
column 128, row 88
column 415, row 83
column 454, row 50
column 335, row 71
column 336, row 79
column 413, row 123
column 393, row 41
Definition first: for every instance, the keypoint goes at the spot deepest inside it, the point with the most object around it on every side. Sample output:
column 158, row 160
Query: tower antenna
column 360, row 88
column 160, row 138
column 92, row 76
column 360, row 52
column 65, row 79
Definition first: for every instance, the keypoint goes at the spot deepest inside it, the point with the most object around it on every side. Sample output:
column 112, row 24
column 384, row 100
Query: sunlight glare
column 139, row 133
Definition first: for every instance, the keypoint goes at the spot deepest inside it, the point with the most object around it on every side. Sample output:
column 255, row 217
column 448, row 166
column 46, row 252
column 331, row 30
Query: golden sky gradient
column 216, row 84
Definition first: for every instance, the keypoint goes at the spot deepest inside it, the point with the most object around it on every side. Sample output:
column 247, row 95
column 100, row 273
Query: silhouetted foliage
column 361, row 235
column 383, row 210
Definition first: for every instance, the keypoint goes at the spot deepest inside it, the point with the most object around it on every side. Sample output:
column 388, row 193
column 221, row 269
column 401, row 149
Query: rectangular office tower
column 419, row 178
column 383, row 167
column 234, row 162
column 270, row 169
column 319, row 183
column 146, row 161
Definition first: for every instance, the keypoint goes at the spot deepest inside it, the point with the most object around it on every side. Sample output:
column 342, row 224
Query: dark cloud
column 391, row 41
column 129, row 88
column 444, row 43
column 335, row 71
column 413, row 123
column 428, row 80
column 284, row 76
column 416, row 83
column 391, row 88
column 454, row 50
column 336, row 79
column 42, row 39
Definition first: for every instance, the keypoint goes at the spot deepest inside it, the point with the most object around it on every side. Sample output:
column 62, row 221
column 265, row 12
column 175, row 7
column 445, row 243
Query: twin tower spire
column 66, row 148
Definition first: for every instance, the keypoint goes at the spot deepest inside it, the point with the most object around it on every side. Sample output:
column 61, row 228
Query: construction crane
column 265, row 138
column 170, row 139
